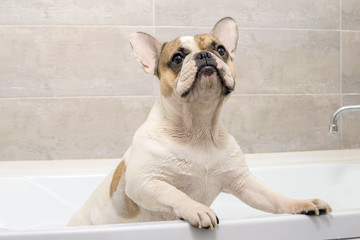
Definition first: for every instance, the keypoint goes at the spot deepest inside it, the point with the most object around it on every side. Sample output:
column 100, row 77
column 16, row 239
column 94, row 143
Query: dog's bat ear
column 227, row 32
column 146, row 49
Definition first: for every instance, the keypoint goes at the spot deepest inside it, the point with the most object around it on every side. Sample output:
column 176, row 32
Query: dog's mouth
column 206, row 71
column 209, row 73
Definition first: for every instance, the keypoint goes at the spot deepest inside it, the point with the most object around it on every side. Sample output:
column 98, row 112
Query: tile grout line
column 153, row 33
column 152, row 95
column 341, row 70
column 170, row 26
column 153, row 18
column 155, row 95
column 74, row 97
column 286, row 94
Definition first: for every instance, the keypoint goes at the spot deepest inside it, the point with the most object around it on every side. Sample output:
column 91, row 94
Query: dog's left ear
column 226, row 31
column 146, row 49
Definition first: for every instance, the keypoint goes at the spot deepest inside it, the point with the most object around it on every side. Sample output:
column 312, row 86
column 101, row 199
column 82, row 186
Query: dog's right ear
column 146, row 49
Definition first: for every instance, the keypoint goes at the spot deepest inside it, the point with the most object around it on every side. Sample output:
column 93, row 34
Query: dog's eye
column 221, row 50
column 177, row 58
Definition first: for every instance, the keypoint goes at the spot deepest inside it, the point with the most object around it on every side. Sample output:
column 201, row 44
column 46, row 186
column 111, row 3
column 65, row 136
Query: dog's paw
column 198, row 215
column 310, row 207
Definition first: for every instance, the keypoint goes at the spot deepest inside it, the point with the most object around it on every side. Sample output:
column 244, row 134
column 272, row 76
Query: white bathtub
column 37, row 199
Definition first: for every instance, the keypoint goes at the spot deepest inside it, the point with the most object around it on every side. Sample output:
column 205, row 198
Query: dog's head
column 192, row 66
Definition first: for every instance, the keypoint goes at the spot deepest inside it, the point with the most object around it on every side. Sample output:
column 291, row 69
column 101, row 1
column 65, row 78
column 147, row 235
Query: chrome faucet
column 333, row 122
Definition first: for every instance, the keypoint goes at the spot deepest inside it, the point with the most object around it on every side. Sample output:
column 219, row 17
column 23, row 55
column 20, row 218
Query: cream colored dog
column 182, row 157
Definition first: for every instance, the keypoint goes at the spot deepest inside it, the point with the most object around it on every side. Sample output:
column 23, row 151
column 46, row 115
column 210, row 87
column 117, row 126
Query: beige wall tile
column 69, row 128
column 350, row 124
column 322, row 14
column 277, row 61
column 70, row 61
column 351, row 62
column 350, row 13
column 44, row 12
column 275, row 123
column 102, row 127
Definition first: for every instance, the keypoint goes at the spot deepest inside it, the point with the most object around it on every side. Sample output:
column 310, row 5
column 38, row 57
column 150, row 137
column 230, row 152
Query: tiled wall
column 70, row 88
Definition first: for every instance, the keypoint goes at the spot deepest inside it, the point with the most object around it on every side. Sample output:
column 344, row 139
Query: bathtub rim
column 339, row 225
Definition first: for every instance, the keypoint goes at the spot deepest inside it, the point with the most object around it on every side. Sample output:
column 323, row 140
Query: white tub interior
column 40, row 197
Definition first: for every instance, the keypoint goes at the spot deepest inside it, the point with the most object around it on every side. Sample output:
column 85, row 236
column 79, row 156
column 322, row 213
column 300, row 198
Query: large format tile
column 323, row 14
column 70, row 61
column 69, row 128
column 351, row 62
column 350, row 13
column 277, row 123
column 277, row 61
column 350, row 124
column 44, row 12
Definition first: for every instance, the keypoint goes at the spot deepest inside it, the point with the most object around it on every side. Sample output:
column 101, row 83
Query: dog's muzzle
column 205, row 64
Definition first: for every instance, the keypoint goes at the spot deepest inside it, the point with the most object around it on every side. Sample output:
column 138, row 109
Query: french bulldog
column 182, row 157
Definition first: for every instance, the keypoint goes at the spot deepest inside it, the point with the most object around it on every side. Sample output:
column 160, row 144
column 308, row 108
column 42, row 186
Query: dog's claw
column 322, row 211
column 198, row 215
column 310, row 213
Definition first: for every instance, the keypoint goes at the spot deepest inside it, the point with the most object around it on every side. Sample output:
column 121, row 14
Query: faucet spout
column 333, row 128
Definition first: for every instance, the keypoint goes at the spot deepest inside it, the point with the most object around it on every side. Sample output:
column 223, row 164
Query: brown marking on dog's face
column 168, row 71
column 167, row 75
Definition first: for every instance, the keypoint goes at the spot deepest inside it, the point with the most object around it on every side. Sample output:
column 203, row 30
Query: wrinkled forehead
column 189, row 44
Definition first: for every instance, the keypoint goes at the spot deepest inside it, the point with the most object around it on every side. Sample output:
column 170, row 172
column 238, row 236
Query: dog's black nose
column 202, row 55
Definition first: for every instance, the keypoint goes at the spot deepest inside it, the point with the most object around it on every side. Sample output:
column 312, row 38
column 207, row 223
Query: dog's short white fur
column 182, row 157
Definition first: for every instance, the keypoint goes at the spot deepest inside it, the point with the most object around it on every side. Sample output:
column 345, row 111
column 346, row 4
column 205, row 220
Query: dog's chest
column 199, row 172
column 201, row 186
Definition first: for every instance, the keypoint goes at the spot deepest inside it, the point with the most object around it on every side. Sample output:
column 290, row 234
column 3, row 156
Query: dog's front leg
column 256, row 194
column 160, row 196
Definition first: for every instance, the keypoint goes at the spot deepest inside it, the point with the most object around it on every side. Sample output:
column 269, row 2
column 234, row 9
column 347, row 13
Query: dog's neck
column 195, row 123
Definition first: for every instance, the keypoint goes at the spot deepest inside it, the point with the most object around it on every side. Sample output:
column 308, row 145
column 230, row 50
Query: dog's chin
column 207, row 82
